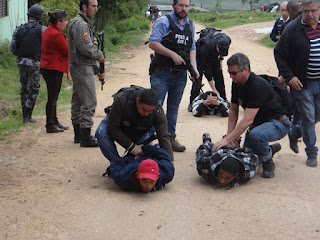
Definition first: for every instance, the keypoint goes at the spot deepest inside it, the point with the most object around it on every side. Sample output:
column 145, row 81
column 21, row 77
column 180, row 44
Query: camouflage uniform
column 29, row 70
column 83, row 55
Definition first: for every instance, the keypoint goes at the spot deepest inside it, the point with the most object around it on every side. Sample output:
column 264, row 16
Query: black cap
column 35, row 11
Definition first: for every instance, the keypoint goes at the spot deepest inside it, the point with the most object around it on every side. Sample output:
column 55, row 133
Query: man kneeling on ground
column 144, row 174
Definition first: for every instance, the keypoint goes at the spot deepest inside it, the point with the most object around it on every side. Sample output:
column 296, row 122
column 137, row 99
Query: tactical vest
column 184, row 40
column 29, row 40
column 133, row 124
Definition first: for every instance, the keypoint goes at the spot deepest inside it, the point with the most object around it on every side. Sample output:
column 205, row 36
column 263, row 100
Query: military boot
column 176, row 146
column 87, row 140
column 77, row 133
column 56, row 122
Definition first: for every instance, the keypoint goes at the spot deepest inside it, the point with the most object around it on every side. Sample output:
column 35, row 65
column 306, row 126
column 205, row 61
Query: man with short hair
column 211, row 51
column 297, row 58
column 170, row 75
column 147, row 173
column 264, row 118
column 280, row 23
column 26, row 45
column 83, row 57
column 225, row 167
column 294, row 9
column 132, row 116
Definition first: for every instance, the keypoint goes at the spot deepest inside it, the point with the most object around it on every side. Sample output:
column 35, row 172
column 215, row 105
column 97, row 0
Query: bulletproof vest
column 184, row 40
column 133, row 124
column 29, row 40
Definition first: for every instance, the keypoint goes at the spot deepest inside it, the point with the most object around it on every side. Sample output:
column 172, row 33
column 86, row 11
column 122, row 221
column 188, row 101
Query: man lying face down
column 145, row 174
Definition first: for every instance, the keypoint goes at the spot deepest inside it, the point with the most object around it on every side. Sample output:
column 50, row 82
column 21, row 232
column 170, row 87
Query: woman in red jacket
column 54, row 62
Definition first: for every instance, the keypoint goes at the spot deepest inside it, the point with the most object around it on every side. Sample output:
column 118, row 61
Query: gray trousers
column 84, row 100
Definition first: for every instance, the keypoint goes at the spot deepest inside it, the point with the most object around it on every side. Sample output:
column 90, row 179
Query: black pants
column 53, row 79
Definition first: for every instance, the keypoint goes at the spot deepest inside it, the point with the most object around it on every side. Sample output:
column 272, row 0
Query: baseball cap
column 223, row 45
column 148, row 168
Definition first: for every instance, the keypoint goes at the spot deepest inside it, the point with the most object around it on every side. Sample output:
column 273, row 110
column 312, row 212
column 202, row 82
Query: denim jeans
column 308, row 103
column 259, row 137
column 164, row 82
column 106, row 143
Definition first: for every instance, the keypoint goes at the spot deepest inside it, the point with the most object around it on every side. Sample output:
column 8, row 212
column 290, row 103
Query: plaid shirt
column 207, row 163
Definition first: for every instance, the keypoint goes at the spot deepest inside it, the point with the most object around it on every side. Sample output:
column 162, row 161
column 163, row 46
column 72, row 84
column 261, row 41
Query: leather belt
column 283, row 117
column 169, row 69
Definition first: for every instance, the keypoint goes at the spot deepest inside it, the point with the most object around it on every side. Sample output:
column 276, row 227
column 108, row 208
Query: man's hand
column 137, row 150
column 101, row 76
column 101, row 59
column 211, row 100
column 177, row 59
column 295, row 83
column 223, row 142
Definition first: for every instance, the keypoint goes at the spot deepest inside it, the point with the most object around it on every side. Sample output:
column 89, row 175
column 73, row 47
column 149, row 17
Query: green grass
column 229, row 19
column 117, row 37
column 267, row 42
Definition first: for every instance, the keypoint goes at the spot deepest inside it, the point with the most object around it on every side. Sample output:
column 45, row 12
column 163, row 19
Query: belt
column 283, row 117
column 169, row 69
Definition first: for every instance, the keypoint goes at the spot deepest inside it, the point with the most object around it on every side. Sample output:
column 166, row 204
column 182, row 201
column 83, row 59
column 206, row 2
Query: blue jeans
column 259, row 137
column 308, row 103
column 164, row 82
column 106, row 143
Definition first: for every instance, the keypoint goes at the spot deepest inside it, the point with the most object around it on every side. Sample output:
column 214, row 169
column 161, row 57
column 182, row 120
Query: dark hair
column 239, row 59
column 303, row 2
column 230, row 165
column 148, row 96
column 294, row 5
column 176, row 1
column 58, row 14
column 83, row 2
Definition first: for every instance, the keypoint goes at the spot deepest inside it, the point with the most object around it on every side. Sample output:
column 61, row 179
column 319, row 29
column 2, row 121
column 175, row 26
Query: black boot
column 26, row 115
column 57, row 122
column 51, row 127
column 87, row 140
column 77, row 133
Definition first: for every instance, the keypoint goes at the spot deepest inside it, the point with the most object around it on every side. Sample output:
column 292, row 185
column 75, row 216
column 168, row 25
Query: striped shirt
column 313, row 72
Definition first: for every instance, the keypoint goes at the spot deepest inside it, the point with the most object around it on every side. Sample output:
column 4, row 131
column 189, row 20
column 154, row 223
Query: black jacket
column 292, row 52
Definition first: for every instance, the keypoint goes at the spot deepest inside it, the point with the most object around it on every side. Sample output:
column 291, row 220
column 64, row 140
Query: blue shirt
column 161, row 27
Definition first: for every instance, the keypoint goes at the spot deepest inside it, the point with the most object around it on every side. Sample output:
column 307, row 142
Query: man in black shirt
column 264, row 117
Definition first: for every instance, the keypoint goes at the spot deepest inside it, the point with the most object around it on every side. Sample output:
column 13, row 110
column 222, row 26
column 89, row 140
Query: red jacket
column 54, row 50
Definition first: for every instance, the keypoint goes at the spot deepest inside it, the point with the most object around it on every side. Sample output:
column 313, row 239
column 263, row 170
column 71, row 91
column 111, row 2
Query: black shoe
column 62, row 127
column 77, row 133
column 190, row 107
column 312, row 162
column 206, row 138
column 29, row 120
column 293, row 143
column 276, row 147
column 268, row 169
column 90, row 141
column 223, row 110
column 54, row 129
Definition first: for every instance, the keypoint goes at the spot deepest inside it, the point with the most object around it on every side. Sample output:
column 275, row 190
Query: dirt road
column 50, row 188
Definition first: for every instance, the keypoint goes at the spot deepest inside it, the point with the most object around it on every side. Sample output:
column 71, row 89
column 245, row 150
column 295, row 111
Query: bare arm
column 193, row 61
column 246, row 121
column 212, row 85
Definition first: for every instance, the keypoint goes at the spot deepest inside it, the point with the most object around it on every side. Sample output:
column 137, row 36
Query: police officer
column 26, row 45
column 83, row 54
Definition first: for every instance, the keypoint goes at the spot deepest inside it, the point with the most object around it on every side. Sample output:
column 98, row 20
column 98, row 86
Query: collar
column 85, row 18
column 281, row 18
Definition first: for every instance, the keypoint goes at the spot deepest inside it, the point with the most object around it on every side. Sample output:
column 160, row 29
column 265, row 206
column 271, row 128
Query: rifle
column 101, row 47
column 170, row 41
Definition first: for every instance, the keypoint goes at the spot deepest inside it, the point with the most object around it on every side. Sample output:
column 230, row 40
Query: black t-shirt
column 257, row 93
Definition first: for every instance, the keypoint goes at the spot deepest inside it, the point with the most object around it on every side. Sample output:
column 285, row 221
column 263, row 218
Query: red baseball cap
column 148, row 169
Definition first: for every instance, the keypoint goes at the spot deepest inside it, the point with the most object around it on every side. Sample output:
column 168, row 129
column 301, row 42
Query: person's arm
column 212, row 85
column 160, row 49
column 163, row 135
column 14, row 45
column 114, row 122
column 241, row 127
column 274, row 32
column 193, row 61
column 233, row 117
column 61, row 44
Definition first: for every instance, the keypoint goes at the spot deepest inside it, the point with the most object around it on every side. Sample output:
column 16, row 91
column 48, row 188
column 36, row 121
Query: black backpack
column 208, row 31
column 132, row 88
column 282, row 95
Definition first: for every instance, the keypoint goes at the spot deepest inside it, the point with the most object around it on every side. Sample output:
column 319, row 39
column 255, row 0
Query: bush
column 6, row 57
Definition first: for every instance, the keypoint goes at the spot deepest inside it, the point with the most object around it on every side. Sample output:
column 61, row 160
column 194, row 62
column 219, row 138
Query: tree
column 251, row 2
